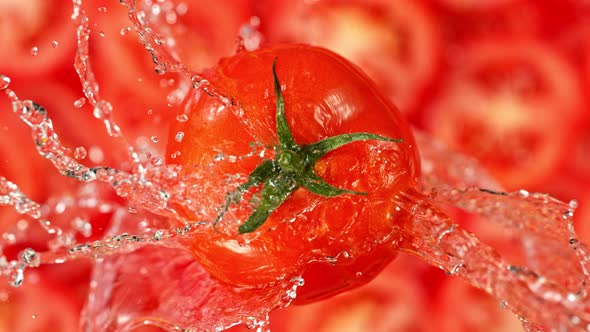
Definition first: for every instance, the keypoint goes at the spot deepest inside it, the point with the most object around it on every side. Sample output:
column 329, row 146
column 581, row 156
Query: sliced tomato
column 143, row 92
column 508, row 103
column 200, row 34
column 462, row 308
column 395, row 42
column 470, row 5
column 37, row 306
column 36, row 36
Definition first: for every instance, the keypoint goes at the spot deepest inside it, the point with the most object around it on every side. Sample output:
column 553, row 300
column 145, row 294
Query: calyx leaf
column 292, row 168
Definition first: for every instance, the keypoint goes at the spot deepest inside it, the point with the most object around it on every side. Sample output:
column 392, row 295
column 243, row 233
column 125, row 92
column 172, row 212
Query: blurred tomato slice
column 142, row 92
column 35, row 35
column 37, row 306
column 469, row 5
column 462, row 308
column 508, row 103
column 582, row 215
column 394, row 42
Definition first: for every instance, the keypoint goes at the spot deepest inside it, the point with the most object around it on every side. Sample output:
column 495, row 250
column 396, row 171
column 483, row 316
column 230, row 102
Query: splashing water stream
column 548, row 291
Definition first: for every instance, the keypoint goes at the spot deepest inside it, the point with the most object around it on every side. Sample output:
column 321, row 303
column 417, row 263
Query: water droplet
column 101, row 33
column 182, row 118
column 34, row 51
column 160, row 69
column 179, row 136
column 54, row 44
column 125, row 31
column 150, row 111
column 17, row 277
column 83, row 226
column 30, row 257
column 96, row 155
column 80, row 102
column 154, row 139
column 4, row 82
column 175, row 154
column 523, row 193
column 102, row 109
column 102, row 9
column 80, row 153
column 156, row 9
column 158, row 235
column 156, row 161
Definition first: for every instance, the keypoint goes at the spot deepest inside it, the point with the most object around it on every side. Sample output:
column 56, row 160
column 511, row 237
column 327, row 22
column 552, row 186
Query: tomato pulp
column 335, row 243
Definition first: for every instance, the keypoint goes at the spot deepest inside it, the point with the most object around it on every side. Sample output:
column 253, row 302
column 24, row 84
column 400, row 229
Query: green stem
column 292, row 168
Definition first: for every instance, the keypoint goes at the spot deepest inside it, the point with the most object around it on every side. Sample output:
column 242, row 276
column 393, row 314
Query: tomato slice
column 36, row 36
column 508, row 104
column 395, row 42
column 462, row 308
column 27, row 308
column 463, row 5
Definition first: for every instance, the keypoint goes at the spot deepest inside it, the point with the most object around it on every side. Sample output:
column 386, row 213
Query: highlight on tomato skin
column 324, row 96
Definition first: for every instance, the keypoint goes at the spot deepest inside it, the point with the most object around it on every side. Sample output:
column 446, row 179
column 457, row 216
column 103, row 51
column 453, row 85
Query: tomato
column 324, row 96
column 167, row 289
column 36, row 36
column 27, row 308
column 395, row 42
column 507, row 103
column 394, row 301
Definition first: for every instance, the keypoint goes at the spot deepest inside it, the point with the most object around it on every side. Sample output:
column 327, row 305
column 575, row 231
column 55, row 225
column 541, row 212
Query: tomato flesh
column 324, row 96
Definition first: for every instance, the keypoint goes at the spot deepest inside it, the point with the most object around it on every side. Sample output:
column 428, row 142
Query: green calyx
column 292, row 168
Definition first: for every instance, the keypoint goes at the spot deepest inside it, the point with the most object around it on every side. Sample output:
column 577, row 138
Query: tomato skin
column 324, row 96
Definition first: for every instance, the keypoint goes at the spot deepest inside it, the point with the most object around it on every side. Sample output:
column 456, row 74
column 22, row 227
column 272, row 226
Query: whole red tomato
column 347, row 235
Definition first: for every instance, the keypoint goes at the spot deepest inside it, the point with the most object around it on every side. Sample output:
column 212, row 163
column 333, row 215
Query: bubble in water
column 102, row 9
column 154, row 139
column 182, row 118
column 80, row 153
column 54, row 44
column 34, row 51
column 80, row 102
column 4, row 82
column 179, row 136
